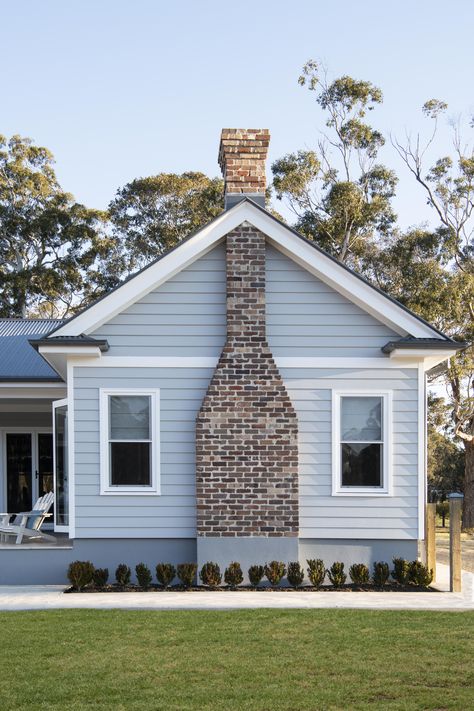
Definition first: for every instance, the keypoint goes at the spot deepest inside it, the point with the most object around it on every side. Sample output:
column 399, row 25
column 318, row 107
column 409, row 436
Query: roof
column 18, row 361
column 410, row 343
column 305, row 252
column 81, row 340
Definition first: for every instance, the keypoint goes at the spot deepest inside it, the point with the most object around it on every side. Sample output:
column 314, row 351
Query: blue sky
column 122, row 89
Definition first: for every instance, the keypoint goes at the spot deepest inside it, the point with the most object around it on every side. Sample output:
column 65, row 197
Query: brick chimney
column 242, row 156
column 246, row 429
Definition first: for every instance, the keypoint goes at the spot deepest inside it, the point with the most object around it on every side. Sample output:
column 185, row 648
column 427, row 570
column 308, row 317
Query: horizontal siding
column 186, row 313
column 172, row 514
column 325, row 516
column 305, row 317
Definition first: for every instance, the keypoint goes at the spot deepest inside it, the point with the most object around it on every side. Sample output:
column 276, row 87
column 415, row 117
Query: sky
column 121, row 89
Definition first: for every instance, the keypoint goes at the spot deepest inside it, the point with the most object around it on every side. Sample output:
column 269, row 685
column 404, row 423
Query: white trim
column 59, row 403
column 106, row 489
column 319, row 264
column 70, row 449
column 387, row 437
column 422, row 454
column 31, row 385
column 72, row 350
column 340, row 362
column 149, row 362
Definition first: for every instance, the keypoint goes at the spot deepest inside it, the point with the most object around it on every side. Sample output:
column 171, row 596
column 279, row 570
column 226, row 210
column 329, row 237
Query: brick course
column 246, row 429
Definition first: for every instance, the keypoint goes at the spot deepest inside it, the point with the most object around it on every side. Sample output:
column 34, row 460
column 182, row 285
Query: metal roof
column 410, row 342
column 18, row 360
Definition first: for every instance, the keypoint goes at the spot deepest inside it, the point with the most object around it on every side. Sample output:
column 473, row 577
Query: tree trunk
column 468, row 506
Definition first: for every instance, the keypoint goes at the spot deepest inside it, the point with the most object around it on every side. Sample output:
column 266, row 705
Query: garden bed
column 247, row 588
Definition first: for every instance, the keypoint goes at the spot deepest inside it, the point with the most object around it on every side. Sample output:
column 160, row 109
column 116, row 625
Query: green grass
column 259, row 660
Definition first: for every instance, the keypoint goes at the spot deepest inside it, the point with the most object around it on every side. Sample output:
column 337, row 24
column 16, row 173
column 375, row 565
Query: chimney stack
column 242, row 156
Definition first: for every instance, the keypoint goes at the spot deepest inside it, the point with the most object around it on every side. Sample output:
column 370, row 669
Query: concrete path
column 51, row 597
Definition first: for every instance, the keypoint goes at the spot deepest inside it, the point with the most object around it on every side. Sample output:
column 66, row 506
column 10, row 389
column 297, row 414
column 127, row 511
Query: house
column 245, row 397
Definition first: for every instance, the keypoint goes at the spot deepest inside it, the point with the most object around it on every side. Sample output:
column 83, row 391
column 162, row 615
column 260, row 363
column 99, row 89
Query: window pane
column 361, row 419
column 129, row 416
column 130, row 464
column 361, row 464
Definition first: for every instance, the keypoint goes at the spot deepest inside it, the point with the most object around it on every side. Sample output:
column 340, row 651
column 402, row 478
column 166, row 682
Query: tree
column 47, row 240
column 339, row 194
column 151, row 215
column 446, row 460
column 449, row 188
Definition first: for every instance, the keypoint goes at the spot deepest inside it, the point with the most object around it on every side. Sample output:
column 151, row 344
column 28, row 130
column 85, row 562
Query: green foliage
column 340, row 195
column 380, row 574
column 123, row 575
column 144, row 575
column 256, row 573
column 295, row 574
column 100, row 577
column 401, row 570
column 165, row 574
column 274, row 572
column 211, row 575
column 80, row 574
column 186, row 572
column 337, row 575
column 359, row 574
column 51, row 248
column 151, row 215
column 316, row 572
column 233, row 575
column 419, row 574
column 442, row 510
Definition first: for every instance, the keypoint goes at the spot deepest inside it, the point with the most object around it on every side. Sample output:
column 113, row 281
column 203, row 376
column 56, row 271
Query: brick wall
column 246, row 430
column 242, row 156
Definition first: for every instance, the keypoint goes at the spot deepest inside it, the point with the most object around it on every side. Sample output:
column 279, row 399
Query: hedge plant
column 381, row 574
column 419, row 574
column 295, row 574
column 186, row 573
column 211, row 575
column 337, row 575
column 123, row 575
column 359, row 574
column 316, row 572
column 274, row 572
column 256, row 573
column 144, row 576
column 80, row 573
column 401, row 570
column 100, row 577
column 165, row 574
column 233, row 575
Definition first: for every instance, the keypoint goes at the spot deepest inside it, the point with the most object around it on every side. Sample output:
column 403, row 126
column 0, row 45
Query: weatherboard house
column 244, row 398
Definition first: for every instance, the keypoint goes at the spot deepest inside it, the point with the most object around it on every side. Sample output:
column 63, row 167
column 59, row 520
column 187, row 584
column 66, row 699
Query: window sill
column 362, row 492
column 130, row 491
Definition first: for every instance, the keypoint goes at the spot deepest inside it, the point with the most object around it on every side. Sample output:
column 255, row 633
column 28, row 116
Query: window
column 361, row 445
column 129, row 446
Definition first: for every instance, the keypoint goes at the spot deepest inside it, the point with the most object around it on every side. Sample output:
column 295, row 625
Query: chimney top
column 242, row 156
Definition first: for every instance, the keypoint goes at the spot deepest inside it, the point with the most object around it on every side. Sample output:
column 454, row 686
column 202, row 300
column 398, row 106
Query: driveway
column 467, row 548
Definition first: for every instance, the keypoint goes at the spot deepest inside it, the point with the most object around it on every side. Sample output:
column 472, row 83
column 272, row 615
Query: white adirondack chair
column 27, row 524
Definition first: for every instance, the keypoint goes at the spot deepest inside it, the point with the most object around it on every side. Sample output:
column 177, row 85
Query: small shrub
column 274, row 572
column 256, row 573
column 165, row 574
column 123, row 575
column 359, row 574
column 337, row 575
column 295, row 574
column 419, row 574
column 211, row 575
column 100, row 577
column 80, row 574
column 186, row 573
column 401, row 569
column 144, row 575
column 316, row 572
column 381, row 574
column 233, row 575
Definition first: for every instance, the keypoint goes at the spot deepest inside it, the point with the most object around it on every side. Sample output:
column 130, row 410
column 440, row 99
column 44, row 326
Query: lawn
column 258, row 660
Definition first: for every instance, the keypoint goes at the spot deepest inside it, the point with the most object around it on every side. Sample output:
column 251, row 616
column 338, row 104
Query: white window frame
column 106, row 488
column 387, row 437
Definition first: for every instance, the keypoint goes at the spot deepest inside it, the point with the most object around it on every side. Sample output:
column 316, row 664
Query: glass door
column 19, row 453
column 60, row 466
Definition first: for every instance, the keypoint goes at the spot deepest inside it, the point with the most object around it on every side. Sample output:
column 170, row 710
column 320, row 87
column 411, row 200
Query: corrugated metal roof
column 28, row 326
column 18, row 360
